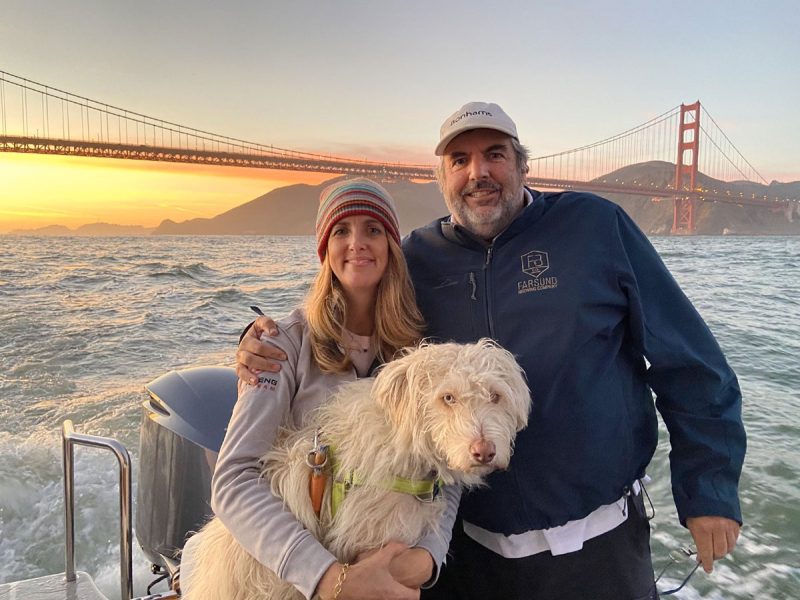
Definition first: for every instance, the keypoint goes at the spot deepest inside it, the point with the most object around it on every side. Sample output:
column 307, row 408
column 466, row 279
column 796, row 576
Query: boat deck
column 52, row 587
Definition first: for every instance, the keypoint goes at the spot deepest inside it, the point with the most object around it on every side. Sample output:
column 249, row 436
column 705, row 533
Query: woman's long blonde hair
column 398, row 322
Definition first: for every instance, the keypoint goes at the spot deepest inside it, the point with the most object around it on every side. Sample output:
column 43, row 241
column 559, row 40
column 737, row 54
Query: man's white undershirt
column 558, row 540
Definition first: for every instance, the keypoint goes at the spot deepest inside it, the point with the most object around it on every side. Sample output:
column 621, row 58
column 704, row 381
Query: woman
column 359, row 312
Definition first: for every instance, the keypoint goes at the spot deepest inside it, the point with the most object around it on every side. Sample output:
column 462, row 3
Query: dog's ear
column 395, row 392
column 521, row 401
column 514, row 377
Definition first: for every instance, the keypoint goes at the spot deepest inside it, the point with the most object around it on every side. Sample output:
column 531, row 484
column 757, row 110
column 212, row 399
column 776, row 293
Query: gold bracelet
column 337, row 589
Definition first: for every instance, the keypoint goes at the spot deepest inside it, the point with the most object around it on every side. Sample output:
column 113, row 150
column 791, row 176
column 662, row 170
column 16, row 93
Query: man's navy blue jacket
column 576, row 291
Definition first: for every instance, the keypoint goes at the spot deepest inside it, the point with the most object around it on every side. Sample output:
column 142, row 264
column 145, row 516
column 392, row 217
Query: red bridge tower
column 688, row 139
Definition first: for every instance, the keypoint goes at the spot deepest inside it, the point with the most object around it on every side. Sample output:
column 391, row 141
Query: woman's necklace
column 357, row 343
column 361, row 350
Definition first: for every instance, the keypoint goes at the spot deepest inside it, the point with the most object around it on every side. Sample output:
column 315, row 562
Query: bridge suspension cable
column 108, row 124
column 652, row 140
column 727, row 161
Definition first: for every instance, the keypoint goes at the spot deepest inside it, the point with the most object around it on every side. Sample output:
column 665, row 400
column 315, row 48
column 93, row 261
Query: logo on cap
column 478, row 113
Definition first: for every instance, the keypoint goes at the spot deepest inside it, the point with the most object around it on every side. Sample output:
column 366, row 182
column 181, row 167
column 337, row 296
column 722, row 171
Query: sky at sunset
column 375, row 79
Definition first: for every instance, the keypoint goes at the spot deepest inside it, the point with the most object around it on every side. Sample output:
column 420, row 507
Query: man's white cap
column 474, row 115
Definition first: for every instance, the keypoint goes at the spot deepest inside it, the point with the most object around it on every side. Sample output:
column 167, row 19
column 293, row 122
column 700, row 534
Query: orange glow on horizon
column 41, row 190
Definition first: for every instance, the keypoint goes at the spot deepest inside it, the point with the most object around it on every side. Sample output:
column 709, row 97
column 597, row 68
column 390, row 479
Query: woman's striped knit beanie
column 354, row 197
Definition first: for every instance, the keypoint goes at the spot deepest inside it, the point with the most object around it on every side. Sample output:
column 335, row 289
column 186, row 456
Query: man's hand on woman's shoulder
column 255, row 356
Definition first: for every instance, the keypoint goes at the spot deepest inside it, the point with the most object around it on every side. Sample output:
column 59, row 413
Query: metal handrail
column 69, row 440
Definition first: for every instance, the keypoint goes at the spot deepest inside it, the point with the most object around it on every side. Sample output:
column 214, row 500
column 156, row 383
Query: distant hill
column 292, row 210
column 90, row 229
column 49, row 230
column 712, row 218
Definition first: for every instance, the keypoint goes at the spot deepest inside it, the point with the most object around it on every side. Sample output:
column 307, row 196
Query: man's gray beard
column 490, row 226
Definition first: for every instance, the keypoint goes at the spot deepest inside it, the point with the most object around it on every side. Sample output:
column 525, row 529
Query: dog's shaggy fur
column 435, row 409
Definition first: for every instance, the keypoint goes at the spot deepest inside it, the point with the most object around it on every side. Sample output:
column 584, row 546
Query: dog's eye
column 494, row 398
column 449, row 399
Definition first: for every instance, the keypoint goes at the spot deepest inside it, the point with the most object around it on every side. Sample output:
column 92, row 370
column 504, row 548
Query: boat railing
column 69, row 440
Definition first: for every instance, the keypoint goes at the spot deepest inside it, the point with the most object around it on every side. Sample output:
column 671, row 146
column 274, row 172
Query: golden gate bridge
column 40, row 119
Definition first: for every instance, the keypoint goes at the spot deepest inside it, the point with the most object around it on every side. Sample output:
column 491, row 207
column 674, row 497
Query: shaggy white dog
column 450, row 409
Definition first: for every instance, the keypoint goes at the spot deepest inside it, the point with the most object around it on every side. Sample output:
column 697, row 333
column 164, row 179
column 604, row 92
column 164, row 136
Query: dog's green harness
column 424, row 490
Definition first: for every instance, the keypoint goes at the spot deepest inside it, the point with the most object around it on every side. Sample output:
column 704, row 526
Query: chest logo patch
column 534, row 264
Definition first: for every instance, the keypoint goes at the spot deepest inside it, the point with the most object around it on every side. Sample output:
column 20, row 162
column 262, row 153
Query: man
column 570, row 285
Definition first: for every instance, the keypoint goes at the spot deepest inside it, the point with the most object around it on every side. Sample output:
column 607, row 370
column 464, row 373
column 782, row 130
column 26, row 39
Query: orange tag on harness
column 317, row 481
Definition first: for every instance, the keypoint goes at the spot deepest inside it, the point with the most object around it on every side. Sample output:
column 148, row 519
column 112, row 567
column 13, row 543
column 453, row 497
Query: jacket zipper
column 487, row 291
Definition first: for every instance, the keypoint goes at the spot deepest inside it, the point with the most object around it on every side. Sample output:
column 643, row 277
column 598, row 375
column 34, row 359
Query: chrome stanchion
column 69, row 440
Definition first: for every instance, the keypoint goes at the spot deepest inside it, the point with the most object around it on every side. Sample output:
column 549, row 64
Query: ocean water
column 86, row 322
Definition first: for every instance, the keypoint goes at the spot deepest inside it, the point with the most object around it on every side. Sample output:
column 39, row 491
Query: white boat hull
column 52, row 587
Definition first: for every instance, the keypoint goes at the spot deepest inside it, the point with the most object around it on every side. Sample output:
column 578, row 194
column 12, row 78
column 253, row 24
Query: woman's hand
column 254, row 356
column 368, row 579
column 412, row 567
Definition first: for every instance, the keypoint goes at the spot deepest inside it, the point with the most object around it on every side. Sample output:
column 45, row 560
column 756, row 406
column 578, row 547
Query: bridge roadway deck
column 299, row 162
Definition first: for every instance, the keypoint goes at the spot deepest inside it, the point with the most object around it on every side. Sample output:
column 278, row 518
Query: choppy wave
column 86, row 322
